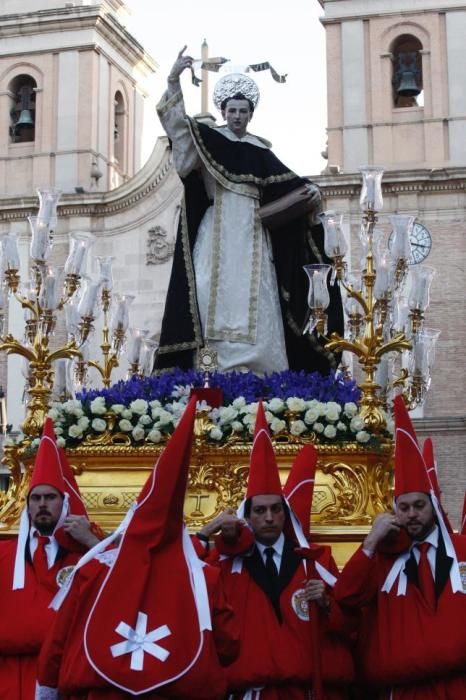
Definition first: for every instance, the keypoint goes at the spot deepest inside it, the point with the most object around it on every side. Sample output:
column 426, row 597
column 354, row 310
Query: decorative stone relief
column 159, row 248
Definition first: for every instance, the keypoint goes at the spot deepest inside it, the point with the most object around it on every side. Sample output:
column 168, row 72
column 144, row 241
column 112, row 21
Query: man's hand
column 227, row 523
column 314, row 589
column 181, row 63
column 384, row 525
column 79, row 528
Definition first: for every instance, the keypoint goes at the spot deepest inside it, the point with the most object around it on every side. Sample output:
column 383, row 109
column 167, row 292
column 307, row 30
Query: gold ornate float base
column 353, row 484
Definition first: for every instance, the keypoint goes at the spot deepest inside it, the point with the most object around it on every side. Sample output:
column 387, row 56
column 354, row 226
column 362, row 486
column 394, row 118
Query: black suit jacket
column 254, row 564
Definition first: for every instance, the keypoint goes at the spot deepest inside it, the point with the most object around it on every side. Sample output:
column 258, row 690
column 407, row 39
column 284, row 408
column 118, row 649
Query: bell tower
column 396, row 83
column 71, row 96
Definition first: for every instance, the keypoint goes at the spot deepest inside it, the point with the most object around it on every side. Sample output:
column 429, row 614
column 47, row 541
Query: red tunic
column 24, row 621
column 63, row 662
column 403, row 645
column 277, row 657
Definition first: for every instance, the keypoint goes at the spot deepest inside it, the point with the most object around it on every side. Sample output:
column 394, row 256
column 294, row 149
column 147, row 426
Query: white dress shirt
column 277, row 551
column 51, row 548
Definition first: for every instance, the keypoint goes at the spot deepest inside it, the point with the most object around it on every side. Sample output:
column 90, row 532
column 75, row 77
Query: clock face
column 421, row 243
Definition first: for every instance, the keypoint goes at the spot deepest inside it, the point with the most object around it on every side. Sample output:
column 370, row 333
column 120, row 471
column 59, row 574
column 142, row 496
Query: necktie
column 39, row 560
column 270, row 566
column 426, row 580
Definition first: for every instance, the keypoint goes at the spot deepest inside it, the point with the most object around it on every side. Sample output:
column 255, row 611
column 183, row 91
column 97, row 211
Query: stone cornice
column 100, row 204
column 77, row 19
column 396, row 182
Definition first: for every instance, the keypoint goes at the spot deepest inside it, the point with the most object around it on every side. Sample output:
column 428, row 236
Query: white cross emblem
column 139, row 641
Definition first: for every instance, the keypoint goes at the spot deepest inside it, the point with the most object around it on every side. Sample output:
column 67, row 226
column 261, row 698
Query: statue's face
column 237, row 115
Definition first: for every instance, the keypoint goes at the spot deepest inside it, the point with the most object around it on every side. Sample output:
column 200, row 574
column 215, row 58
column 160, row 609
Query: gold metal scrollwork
column 352, row 494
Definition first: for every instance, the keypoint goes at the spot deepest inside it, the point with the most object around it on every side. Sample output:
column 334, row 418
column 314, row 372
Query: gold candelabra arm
column 401, row 380
column 105, row 370
column 354, row 294
column 337, row 343
column 399, row 343
column 13, row 500
column 13, row 347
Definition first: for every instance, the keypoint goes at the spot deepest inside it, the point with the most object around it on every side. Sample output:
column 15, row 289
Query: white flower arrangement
column 151, row 422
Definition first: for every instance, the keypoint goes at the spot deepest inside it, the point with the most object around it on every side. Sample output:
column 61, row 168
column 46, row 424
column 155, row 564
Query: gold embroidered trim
column 233, row 336
column 220, row 172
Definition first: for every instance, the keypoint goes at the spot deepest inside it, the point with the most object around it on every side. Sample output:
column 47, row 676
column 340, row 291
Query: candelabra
column 48, row 291
column 385, row 306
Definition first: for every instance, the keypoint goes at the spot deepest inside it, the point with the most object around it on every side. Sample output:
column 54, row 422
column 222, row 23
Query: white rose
column 332, row 411
column 99, row 425
column 216, row 434
column 98, row 406
column 61, row 442
column 54, row 414
column 139, row 406
column 155, row 403
column 239, row 402
column 237, row 427
column 311, row 415
column 145, row 420
column 330, row 431
column 83, row 423
column 356, row 424
column 350, row 409
column 59, row 430
column 297, row 427
column 72, row 405
column 138, row 433
column 276, row 405
column 35, row 443
column 318, row 428
column 165, row 417
column 363, row 436
column 154, row 435
column 277, row 425
column 227, row 414
column 127, row 414
column 117, row 408
column 74, row 431
column 125, row 425
column 341, row 426
column 390, row 426
column 156, row 411
column 295, row 404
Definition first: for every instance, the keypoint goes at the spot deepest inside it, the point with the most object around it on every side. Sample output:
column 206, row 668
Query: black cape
column 294, row 245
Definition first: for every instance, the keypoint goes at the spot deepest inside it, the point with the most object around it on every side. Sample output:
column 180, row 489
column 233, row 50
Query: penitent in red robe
column 64, row 665
column 407, row 652
column 24, row 621
column 276, row 657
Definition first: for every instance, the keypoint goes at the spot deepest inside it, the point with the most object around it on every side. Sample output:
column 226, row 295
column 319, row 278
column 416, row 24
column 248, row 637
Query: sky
column 287, row 34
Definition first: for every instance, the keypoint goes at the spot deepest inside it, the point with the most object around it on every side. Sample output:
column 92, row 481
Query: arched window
column 23, row 109
column 119, row 131
column 407, row 79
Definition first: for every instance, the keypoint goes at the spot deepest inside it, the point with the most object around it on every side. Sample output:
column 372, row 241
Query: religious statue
column 235, row 285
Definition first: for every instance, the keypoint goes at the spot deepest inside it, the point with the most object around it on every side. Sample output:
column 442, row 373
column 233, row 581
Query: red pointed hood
column 299, row 487
column 47, row 465
column 410, row 469
column 149, row 590
column 463, row 518
column 264, row 478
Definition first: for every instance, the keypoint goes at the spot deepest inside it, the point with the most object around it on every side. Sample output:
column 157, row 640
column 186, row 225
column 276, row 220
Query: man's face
column 44, row 507
column 416, row 514
column 267, row 518
column 237, row 115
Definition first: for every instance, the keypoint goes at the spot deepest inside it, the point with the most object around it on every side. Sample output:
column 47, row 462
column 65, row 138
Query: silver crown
column 231, row 83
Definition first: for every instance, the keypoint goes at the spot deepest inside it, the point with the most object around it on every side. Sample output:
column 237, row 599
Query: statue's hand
column 182, row 62
column 316, row 197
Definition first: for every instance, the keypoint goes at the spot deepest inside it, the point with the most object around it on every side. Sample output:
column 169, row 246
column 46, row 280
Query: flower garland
column 147, row 410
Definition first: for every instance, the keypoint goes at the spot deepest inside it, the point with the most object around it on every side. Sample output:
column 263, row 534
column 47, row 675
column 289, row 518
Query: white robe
column 236, row 283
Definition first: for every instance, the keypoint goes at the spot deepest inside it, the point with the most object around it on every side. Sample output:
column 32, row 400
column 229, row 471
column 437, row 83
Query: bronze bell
column 406, row 77
column 25, row 119
column 407, row 86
